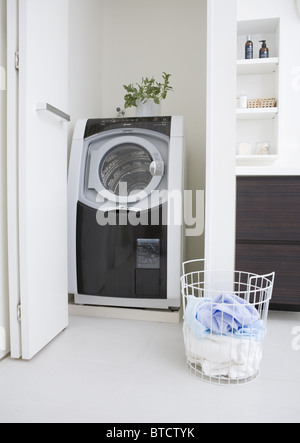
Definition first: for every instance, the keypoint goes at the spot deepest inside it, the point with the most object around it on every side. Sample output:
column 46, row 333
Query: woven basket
column 262, row 103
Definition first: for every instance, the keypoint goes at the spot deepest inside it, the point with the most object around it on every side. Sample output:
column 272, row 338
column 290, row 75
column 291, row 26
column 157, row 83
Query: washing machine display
column 125, row 161
column 148, row 254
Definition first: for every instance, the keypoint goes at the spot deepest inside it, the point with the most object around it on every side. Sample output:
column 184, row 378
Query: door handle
column 53, row 110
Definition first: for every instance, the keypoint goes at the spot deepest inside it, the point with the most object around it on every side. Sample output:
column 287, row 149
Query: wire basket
column 225, row 322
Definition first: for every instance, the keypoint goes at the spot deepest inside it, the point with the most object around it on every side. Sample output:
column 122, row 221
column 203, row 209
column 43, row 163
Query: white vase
column 148, row 109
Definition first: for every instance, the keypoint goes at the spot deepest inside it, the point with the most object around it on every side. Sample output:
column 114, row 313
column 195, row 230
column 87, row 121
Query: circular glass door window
column 125, row 170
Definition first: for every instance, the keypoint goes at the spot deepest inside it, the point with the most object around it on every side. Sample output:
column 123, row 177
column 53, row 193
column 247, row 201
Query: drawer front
column 284, row 260
column 268, row 209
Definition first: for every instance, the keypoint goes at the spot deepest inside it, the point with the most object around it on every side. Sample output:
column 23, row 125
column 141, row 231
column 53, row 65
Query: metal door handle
column 53, row 110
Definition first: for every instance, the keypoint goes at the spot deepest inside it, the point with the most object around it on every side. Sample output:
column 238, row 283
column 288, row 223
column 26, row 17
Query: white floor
column 120, row 371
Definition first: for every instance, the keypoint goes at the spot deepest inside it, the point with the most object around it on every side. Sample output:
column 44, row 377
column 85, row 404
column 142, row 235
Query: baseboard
column 151, row 315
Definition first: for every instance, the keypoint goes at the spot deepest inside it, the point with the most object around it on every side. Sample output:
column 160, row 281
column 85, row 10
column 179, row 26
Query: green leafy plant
column 148, row 89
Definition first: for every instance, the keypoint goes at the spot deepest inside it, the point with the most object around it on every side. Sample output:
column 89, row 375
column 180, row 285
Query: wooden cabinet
column 268, row 234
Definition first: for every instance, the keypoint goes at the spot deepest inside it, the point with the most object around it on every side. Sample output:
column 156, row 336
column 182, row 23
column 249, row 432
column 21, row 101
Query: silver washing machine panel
column 124, row 168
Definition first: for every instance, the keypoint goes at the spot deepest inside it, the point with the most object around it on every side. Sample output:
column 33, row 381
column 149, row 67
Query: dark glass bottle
column 249, row 48
column 264, row 51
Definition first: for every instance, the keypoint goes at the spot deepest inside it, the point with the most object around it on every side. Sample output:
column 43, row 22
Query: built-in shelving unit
column 258, row 78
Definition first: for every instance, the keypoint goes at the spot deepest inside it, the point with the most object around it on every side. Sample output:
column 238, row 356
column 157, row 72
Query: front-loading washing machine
column 125, row 197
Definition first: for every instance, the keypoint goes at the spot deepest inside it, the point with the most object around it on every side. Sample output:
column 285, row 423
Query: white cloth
column 223, row 356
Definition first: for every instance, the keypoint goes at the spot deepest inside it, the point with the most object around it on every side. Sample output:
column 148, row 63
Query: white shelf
column 257, row 66
column 245, row 160
column 266, row 170
column 257, row 113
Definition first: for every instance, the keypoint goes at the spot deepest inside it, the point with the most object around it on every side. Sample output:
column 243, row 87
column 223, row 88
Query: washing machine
column 125, row 197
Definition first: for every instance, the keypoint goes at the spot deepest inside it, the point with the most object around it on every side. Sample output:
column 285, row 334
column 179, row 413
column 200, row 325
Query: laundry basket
column 225, row 322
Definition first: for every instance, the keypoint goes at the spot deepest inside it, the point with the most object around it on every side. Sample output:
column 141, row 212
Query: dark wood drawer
column 268, row 209
column 284, row 260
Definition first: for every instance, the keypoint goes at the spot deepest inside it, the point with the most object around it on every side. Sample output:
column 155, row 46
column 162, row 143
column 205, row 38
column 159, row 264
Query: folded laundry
column 226, row 315
column 222, row 356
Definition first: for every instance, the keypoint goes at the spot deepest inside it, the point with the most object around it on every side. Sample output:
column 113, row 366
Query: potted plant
column 147, row 96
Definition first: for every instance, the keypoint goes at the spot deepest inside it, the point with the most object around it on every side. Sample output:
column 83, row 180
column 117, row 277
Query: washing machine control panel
column 157, row 124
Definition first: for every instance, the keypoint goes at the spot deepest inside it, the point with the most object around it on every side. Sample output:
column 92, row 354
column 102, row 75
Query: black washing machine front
column 120, row 260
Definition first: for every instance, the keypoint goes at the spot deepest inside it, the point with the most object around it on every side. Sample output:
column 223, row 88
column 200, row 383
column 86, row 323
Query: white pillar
column 221, row 135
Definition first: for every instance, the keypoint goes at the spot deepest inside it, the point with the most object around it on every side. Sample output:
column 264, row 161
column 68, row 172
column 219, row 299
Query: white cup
column 242, row 102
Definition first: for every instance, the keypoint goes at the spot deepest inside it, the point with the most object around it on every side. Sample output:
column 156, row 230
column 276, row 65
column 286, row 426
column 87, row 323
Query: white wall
column 85, row 60
column 142, row 38
column 289, row 74
column 4, row 322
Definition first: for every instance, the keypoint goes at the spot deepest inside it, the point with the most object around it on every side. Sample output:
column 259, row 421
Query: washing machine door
column 125, row 169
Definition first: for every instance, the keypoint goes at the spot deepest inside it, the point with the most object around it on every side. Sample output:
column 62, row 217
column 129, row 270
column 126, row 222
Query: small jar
column 242, row 102
column 263, row 148
column 244, row 148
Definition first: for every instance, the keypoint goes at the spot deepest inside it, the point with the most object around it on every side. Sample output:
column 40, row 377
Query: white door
column 4, row 320
column 37, row 173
